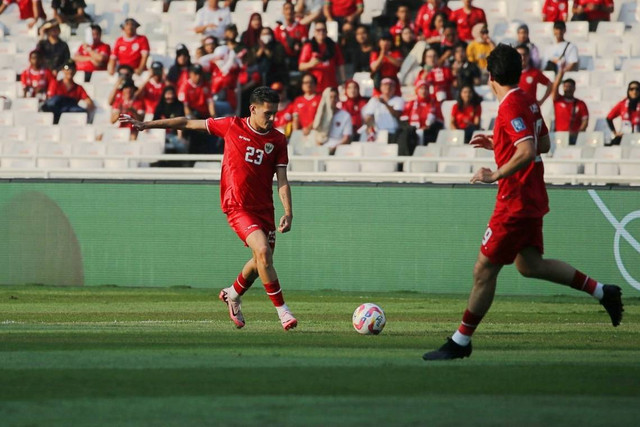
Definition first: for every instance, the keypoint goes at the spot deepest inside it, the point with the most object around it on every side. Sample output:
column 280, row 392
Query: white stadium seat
column 29, row 118
column 73, row 119
column 121, row 149
column 343, row 166
column 458, row 152
column 6, row 119
column 631, row 169
column 450, row 137
column 429, row 151
column 605, row 169
column 379, row 150
column 608, row 29
column 559, row 168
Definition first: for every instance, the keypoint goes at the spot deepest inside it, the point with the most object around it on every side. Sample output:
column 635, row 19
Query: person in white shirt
column 333, row 125
column 383, row 111
column 212, row 20
column 562, row 51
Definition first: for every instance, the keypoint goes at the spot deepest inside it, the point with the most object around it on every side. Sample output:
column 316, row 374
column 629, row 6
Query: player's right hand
column 482, row 141
column 128, row 120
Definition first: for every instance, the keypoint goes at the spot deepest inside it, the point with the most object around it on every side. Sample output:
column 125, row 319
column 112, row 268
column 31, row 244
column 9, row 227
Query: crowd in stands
column 314, row 71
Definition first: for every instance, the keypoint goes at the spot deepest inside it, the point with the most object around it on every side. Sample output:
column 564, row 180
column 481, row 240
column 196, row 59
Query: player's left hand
column 482, row 141
column 285, row 223
column 485, row 175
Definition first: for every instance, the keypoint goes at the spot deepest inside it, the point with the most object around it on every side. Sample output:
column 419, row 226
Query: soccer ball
column 369, row 319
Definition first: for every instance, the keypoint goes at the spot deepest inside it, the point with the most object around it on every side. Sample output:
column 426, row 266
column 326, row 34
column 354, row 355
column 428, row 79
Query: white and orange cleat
column 235, row 313
column 287, row 320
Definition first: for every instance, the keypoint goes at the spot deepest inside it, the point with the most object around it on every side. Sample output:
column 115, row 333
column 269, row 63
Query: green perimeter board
column 348, row 237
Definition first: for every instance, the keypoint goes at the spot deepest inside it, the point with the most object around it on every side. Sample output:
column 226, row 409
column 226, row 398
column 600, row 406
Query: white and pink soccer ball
column 369, row 319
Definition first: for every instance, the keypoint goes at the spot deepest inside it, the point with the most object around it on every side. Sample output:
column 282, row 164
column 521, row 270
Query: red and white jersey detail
column 530, row 79
column 130, row 51
column 522, row 194
column 570, row 113
column 249, row 163
column 555, row 10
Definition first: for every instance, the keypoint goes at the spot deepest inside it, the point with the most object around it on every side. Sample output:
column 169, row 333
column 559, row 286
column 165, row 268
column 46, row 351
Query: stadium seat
column 152, row 135
column 30, row 118
column 613, row 48
column 430, row 151
column 604, row 65
column 379, row 150
column 445, row 108
column 487, row 155
column 83, row 134
column 372, row 9
column 589, row 94
column 465, row 152
column 6, row 119
column 73, row 119
column 14, row 133
column 8, row 90
column 558, row 140
column 576, row 31
column 628, row 13
column 43, row 133
column 306, row 165
column 591, row 139
column 527, row 11
column 580, row 77
column 113, row 134
column 556, row 167
column 631, row 169
column 90, row 155
column 8, row 48
column 53, row 155
column 450, row 137
column 365, row 82
column 605, row 169
column 141, row 7
column 540, row 30
column 7, row 76
column 610, row 29
column 18, row 163
column 604, row 79
column 121, row 149
column 24, row 105
column 216, row 166
column 19, row 148
column 345, row 166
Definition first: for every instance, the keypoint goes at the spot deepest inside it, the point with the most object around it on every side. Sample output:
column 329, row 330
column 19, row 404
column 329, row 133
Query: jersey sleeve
column 283, row 155
column 615, row 111
column 218, row 126
column 518, row 125
column 144, row 45
column 305, row 53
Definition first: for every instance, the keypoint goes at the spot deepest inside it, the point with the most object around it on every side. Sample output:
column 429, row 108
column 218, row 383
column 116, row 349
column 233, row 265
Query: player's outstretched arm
column 284, row 191
column 177, row 123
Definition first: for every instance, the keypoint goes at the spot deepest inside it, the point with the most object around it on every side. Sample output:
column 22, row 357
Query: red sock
column 584, row 283
column 275, row 293
column 469, row 323
column 241, row 285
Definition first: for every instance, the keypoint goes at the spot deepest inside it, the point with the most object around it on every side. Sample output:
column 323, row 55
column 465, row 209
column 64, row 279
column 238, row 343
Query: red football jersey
column 103, row 48
column 26, row 8
column 151, row 94
column 596, row 14
column 555, row 10
column 440, row 80
column 417, row 111
column 465, row 117
column 305, row 108
column 342, row 8
column 630, row 119
column 465, row 22
column 129, row 107
column 195, row 96
column 326, row 71
column 288, row 35
column 129, row 51
column 396, row 31
column 569, row 114
column 249, row 163
column 57, row 87
column 530, row 79
column 425, row 15
column 36, row 81
column 522, row 194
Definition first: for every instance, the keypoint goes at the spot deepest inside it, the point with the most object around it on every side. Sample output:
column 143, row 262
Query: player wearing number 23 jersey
column 249, row 163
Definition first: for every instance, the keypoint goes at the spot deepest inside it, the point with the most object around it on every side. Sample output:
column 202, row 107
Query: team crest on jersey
column 518, row 124
column 268, row 147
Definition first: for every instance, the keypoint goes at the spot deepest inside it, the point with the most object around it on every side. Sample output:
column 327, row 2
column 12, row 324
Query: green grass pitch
column 163, row 357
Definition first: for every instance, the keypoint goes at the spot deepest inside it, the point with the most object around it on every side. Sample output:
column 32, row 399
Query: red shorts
column 245, row 223
column 507, row 236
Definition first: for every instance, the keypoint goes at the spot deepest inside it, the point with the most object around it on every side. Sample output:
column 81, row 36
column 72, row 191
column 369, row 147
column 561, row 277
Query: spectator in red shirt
column 555, row 10
column 385, row 62
column 29, row 9
column 424, row 114
column 466, row 112
column 572, row 114
column 124, row 73
column 322, row 57
column 93, row 55
column 36, row 78
column 127, row 104
column 130, row 49
column 629, row 111
column 426, row 13
column 304, row 108
column 64, row 95
column 532, row 77
column 440, row 79
column 593, row 11
column 435, row 32
column 354, row 104
column 404, row 20
column 151, row 92
column 346, row 12
column 291, row 34
column 195, row 95
column 466, row 18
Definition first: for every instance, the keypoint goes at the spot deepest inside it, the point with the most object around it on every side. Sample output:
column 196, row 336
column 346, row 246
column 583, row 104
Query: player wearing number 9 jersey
column 253, row 152
column 515, row 228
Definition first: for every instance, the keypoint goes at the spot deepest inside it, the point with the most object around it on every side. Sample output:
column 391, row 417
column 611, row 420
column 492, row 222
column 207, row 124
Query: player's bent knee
column 263, row 256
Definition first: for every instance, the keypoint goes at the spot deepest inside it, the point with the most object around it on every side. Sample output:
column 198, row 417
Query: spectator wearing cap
column 129, row 105
column 425, row 15
column 531, row 77
column 555, row 10
column 194, row 93
column 212, row 20
column 151, row 91
column 466, row 18
column 385, row 62
column 130, row 49
column 383, row 111
column 523, row 39
column 94, row 54
column 423, row 114
column 55, row 51
column 36, row 78
column 69, row 12
column 303, row 108
column 30, row 10
column 322, row 57
column 64, row 95
column 179, row 72
column 291, row 34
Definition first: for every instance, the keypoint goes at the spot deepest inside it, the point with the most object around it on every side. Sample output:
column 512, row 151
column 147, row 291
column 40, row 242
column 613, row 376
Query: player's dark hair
column 505, row 65
column 263, row 94
column 523, row 47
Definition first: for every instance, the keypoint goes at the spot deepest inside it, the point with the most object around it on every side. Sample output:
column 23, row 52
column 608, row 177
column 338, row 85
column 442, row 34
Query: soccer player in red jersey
column 515, row 229
column 555, row 10
column 466, row 18
column 254, row 152
column 532, row 77
column 131, row 49
column 572, row 114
